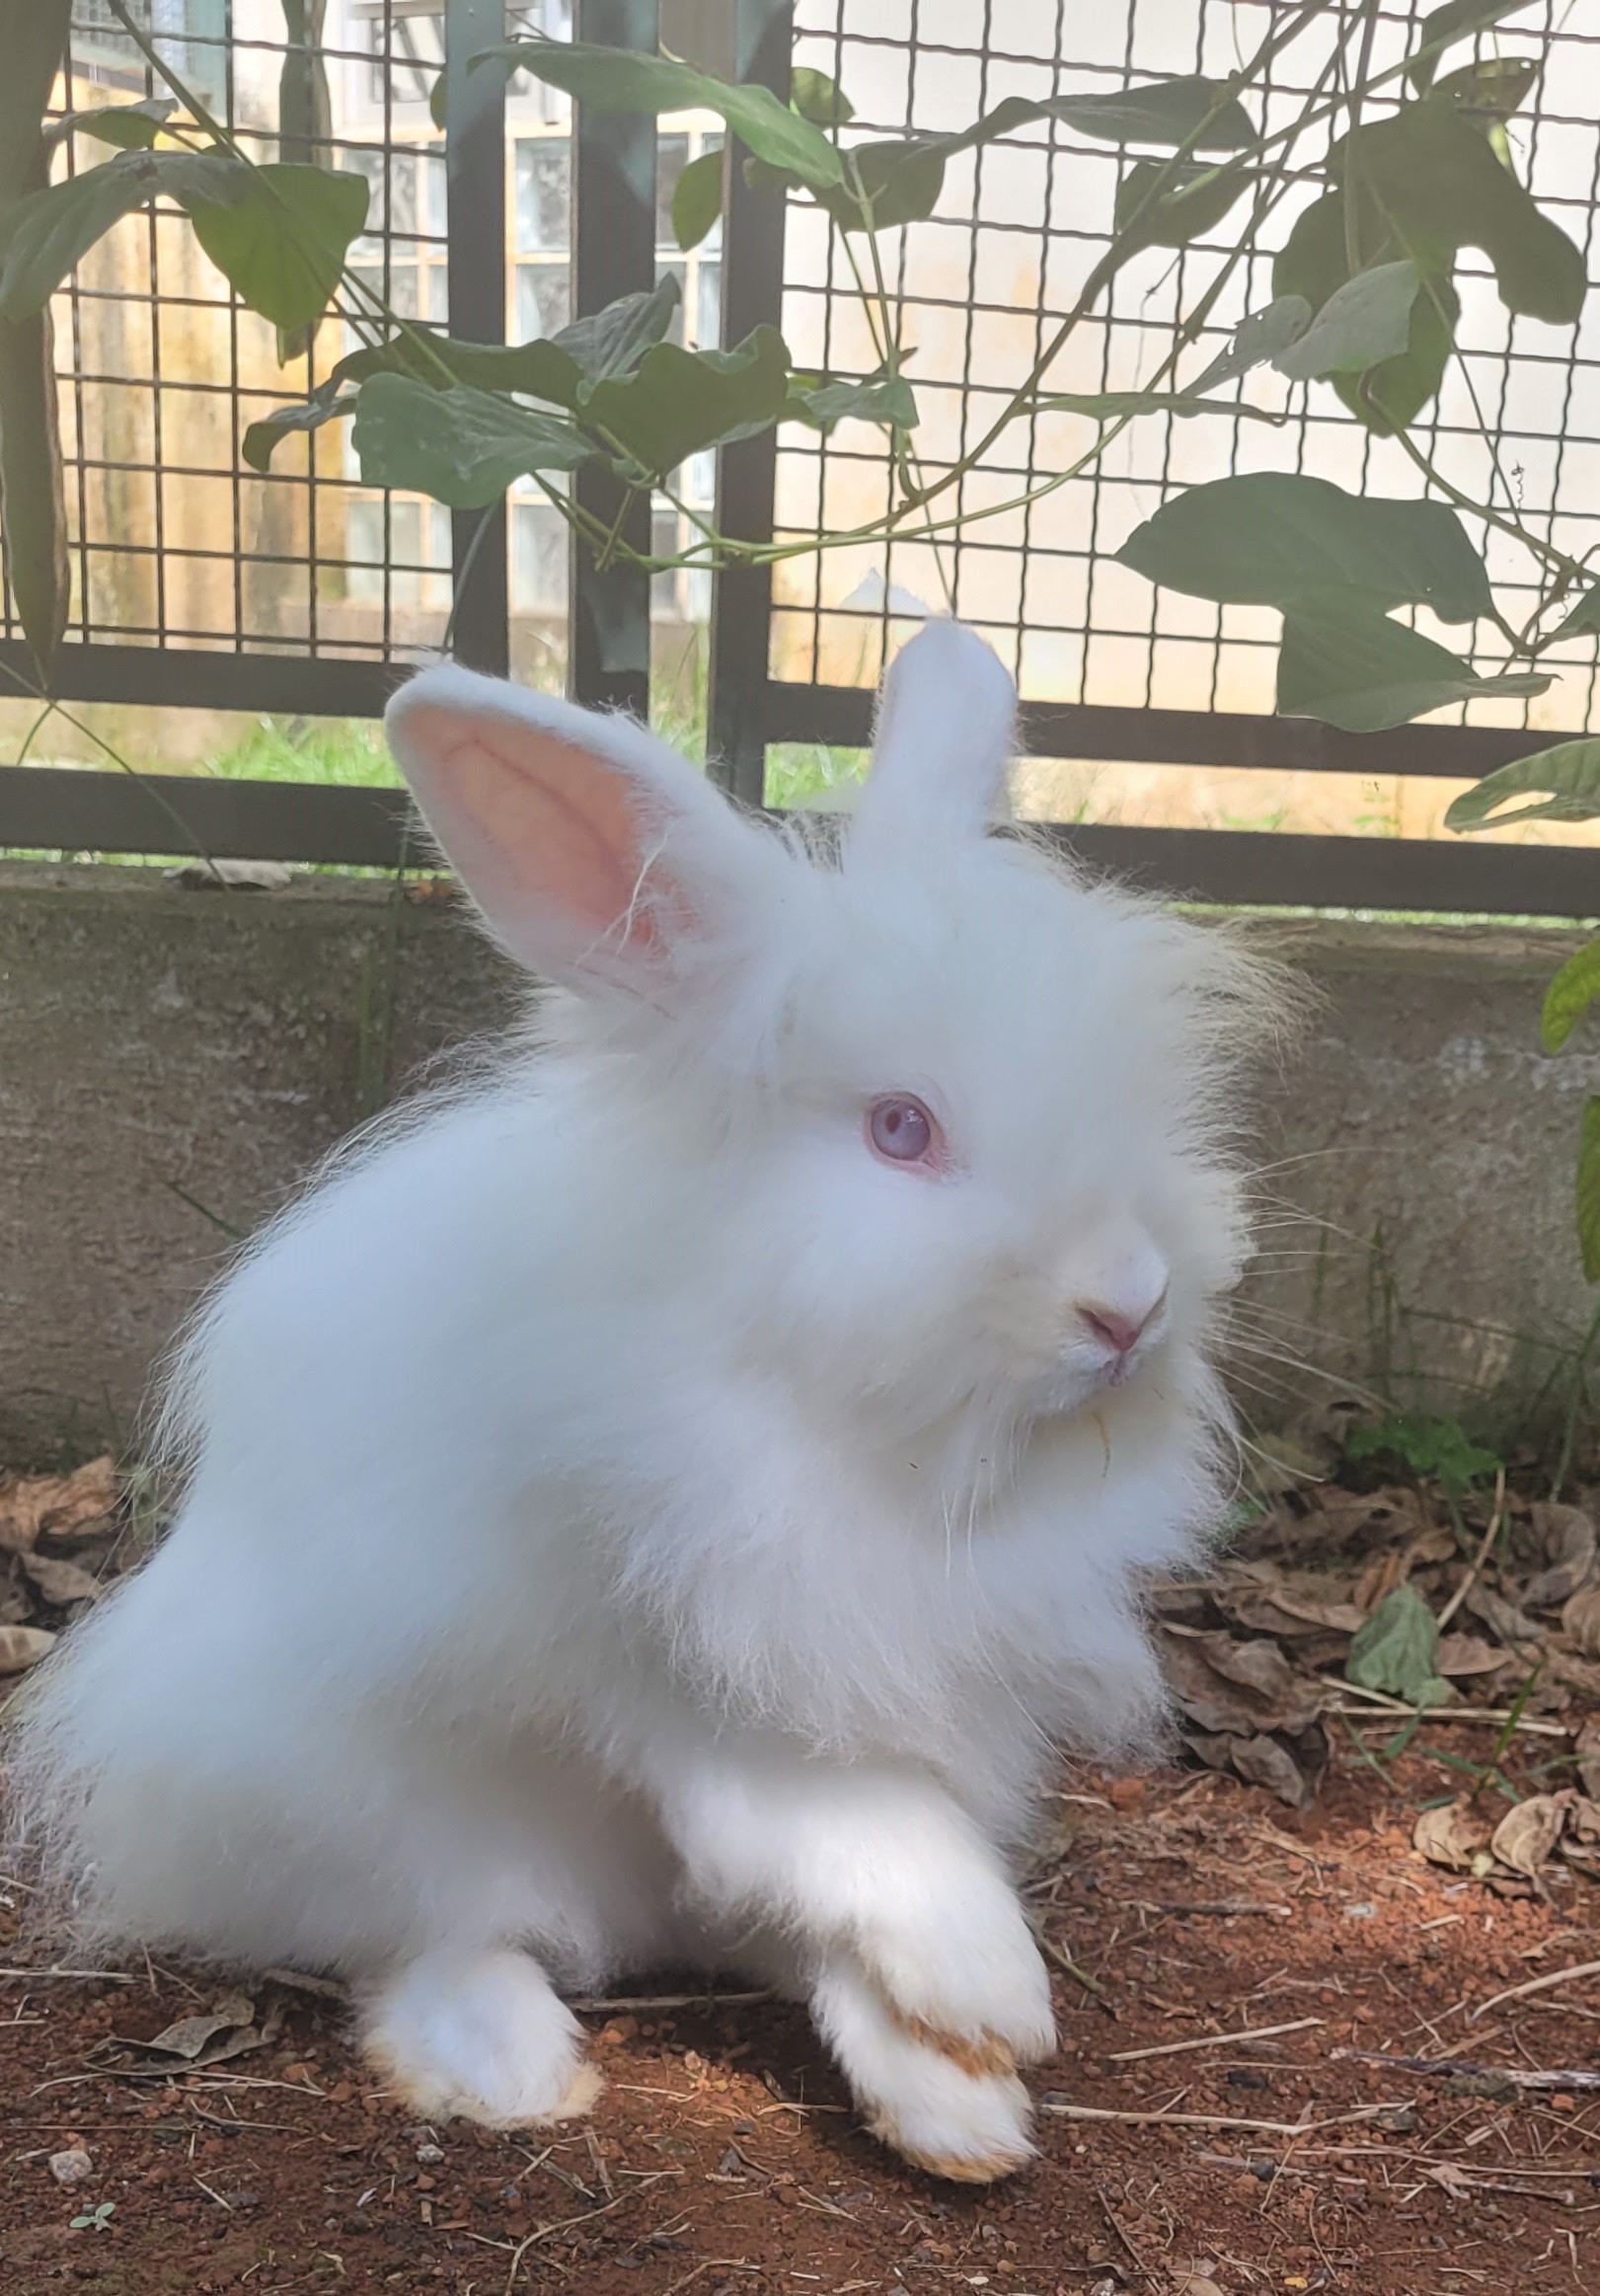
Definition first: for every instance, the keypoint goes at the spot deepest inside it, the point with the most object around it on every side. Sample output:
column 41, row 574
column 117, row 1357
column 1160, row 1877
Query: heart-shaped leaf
column 1363, row 323
column 1584, row 618
column 1565, row 781
column 281, row 245
column 462, row 446
column 1395, row 1651
column 876, row 397
column 1167, row 112
column 1256, row 339
column 696, row 198
column 1457, row 19
column 264, row 434
column 1168, row 204
column 129, row 126
column 678, row 402
column 818, row 99
column 1315, row 264
column 1352, row 667
column 1266, row 538
column 1570, row 996
column 620, row 80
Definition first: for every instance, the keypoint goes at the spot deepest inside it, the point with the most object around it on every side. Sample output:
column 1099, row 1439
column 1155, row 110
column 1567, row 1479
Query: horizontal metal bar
column 105, row 813
column 1271, row 869
column 60, row 809
column 154, row 677
column 843, row 715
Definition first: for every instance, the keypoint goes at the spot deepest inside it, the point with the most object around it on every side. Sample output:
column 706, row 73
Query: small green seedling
column 96, row 2219
column 1427, row 1446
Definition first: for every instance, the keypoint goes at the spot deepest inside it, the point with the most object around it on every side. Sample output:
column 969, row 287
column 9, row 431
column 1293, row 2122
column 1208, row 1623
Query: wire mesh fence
column 198, row 579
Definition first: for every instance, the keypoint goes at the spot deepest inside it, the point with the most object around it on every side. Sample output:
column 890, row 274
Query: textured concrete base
column 173, row 1060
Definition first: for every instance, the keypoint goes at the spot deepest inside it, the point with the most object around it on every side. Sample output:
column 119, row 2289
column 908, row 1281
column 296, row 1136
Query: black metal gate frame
column 613, row 254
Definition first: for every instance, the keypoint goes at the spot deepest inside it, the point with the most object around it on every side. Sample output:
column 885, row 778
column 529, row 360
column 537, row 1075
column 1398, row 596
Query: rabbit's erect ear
column 945, row 733
column 592, row 849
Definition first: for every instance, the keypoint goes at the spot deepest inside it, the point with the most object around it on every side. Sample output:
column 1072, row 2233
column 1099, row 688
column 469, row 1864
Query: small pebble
column 1360, row 1912
column 73, row 2167
column 430, row 2155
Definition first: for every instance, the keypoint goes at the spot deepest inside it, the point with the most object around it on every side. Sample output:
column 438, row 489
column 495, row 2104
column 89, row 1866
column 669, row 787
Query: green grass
column 349, row 752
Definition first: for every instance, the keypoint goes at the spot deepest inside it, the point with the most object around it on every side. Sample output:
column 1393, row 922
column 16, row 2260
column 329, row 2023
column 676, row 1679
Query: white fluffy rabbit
column 661, row 1501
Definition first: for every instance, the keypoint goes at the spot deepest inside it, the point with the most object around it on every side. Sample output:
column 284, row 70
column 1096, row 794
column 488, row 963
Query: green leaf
column 1428, row 180
column 462, row 446
column 1256, row 339
column 1161, row 111
column 874, row 398
column 1195, row 199
column 818, row 98
column 1570, row 996
column 1352, row 667
column 283, row 246
column 130, row 126
column 47, row 234
column 1569, row 774
column 268, row 430
column 696, row 198
column 1584, row 618
column 1489, row 92
column 1363, row 323
column 1456, row 19
column 894, row 183
column 1314, row 262
column 1588, row 1188
column 1429, row 1443
column 1396, row 1650
column 1269, row 536
column 614, row 340
column 678, row 402
column 619, row 80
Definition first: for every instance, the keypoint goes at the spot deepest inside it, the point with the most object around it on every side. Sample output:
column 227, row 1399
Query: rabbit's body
column 599, row 1549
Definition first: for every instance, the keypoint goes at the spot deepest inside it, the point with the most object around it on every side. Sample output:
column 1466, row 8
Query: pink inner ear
column 551, row 840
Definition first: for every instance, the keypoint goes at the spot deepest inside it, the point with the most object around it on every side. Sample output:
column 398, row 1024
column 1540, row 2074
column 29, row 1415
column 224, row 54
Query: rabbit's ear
column 592, row 849
column 945, row 732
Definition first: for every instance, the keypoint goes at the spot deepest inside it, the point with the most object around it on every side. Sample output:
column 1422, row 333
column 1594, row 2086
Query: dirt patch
column 723, row 2155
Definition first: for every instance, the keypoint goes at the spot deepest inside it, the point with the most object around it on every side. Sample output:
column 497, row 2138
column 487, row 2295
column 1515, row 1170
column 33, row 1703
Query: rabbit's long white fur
column 628, row 1521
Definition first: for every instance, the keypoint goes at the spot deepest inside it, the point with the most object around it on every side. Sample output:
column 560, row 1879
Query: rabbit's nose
column 1120, row 1331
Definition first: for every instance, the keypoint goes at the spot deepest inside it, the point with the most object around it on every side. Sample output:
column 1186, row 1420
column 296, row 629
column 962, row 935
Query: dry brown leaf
column 1459, row 1656
column 1526, row 1835
column 1586, row 1747
column 1503, row 1619
column 23, row 1647
column 190, row 2034
column 1580, row 1622
column 1563, row 1537
column 1452, row 1836
column 59, row 1581
column 1246, row 1686
column 33, row 1507
column 1292, row 1769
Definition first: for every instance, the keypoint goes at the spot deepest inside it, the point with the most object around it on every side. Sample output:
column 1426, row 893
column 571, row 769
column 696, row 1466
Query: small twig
column 1381, row 1703
column 1216, row 2120
column 1534, row 1986
column 1069, row 1969
column 1224, row 1908
column 100, row 1977
column 1495, row 1516
column 1219, row 2040
column 1447, row 2069
column 615, row 2005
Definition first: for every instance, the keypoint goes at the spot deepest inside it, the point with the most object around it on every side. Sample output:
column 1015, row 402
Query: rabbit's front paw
column 960, row 2113
column 482, row 2034
column 967, row 1980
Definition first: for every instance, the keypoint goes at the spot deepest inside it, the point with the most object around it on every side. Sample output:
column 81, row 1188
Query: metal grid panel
column 985, row 282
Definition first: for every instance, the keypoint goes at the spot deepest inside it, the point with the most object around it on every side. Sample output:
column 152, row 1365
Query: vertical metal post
column 746, row 476
column 475, row 186
column 608, row 661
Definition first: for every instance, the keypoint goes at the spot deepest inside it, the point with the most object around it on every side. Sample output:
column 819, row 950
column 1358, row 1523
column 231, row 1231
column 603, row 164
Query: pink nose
column 1120, row 1332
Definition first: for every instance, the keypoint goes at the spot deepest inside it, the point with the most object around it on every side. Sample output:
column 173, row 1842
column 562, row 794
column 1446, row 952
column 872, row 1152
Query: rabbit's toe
column 482, row 2034
column 976, row 1989
column 955, row 2108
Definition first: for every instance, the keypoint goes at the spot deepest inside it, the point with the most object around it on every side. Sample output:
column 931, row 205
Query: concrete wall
column 163, row 1050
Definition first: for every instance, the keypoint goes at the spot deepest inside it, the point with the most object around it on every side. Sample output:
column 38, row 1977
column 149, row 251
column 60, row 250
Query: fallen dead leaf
column 1563, row 1537
column 248, row 877
column 23, row 1647
column 190, row 2036
column 1526, row 1836
column 59, row 1581
column 33, row 1507
column 1581, row 1620
column 1586, row 1749
column 1461, row 1655
column 1453, row 1837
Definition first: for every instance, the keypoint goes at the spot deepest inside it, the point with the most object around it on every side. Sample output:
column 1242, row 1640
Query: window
column 539, row 559
column 417, row 544
column 406, row 215
column 540, row 231
column 190, row 34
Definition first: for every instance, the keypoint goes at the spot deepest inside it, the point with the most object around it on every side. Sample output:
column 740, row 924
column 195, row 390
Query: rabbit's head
column 931, row 1123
